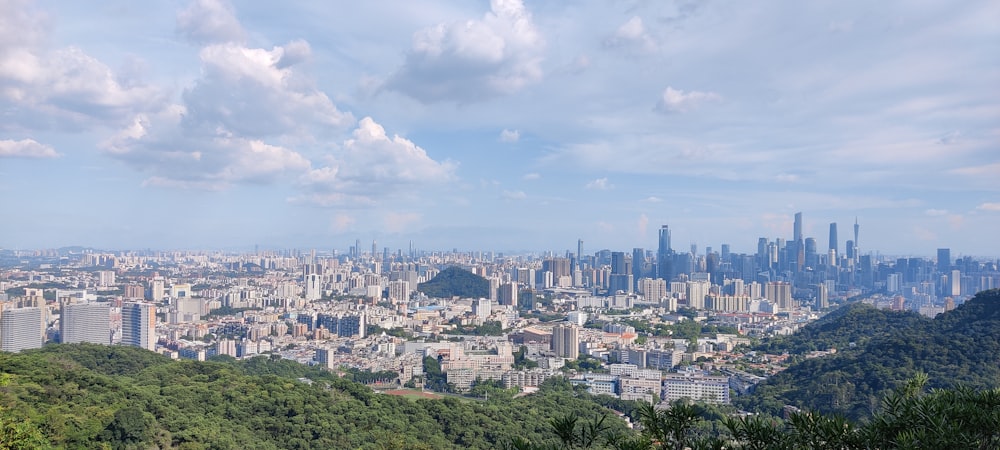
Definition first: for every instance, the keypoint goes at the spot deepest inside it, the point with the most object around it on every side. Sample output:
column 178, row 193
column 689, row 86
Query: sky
column 502, row 125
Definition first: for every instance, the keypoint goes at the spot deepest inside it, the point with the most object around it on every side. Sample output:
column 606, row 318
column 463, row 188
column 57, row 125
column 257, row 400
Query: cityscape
column 499, row 224
column 362, row 308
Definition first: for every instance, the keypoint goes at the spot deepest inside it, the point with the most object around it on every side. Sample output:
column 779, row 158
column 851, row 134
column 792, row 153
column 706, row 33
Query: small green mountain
column 456, row 282
column 957, row 348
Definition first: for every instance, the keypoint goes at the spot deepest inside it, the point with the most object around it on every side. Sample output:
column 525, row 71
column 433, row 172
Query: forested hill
column 455, row 281
column 84, row 396
column 957, row 348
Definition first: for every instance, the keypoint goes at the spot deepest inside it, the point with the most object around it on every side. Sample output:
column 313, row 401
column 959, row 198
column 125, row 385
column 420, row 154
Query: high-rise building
column 566, row 341
column 558, row 266
column 85, row 322
column 619, row 264
column 797, row 227
column 855, row 243
column 833, row 236
column 944, row 260
column 696, row 293
column 779, row 293
column 664, row 267
column 139, row 325
column 21, row 328
column 507, row 294
column 638, row 264
column 482, row 308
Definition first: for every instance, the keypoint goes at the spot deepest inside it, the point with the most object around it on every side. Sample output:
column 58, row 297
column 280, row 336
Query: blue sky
column 499, row 125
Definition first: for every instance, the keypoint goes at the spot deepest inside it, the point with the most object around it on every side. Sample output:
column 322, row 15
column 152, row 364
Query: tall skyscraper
column 85, row 322
column 579, row 252
column 619, row 264
column 855, row 246
column 797, row 230
column 21, row 328
column 663, row 253
column 139, row 325
column 833, row 236
column 944, row 260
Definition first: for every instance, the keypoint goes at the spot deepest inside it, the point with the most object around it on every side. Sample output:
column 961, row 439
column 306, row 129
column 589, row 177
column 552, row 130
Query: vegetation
column 80, row 396
column 909, row 418
column 488, row 328
column 877, row 352
column 455, row 281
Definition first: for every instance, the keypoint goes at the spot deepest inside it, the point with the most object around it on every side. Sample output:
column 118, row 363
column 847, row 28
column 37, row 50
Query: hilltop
column 456, row 282
column 877, row 351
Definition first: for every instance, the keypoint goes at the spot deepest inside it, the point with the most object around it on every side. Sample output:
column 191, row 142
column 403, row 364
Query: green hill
column 957, row 348
column 455, row 281
column 84, row 396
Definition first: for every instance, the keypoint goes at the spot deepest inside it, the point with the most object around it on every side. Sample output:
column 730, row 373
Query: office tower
column 579, row 251
column 855, row 246
column 374, row 249
column 763, row 260
column 85, row 322
column 779, row 293
column 833, row 236
column 663, row 251
column 566, row 341
column 725, row 253
column 812, row 258
column 638, row 264
column 139, row 325
column 620, row 264
column 943, row 260
column 850, row 251
column 21, row 328
column 507, row 294
column 797, row 230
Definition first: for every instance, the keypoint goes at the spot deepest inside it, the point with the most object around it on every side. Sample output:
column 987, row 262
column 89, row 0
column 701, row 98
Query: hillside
column 957, row 348
column 83, row 396
column 455, row 281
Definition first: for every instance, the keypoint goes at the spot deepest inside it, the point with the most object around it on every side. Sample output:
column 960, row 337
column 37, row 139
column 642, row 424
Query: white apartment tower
column 21, row 328
column 85, row 322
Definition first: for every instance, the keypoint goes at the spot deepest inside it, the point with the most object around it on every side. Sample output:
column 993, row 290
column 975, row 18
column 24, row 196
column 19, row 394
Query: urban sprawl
column 646, row 324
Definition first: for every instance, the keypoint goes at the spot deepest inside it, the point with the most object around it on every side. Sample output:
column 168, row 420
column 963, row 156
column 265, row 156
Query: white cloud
column 531, row 176
column 510, row 135
column 210, row 21
column 42, row 88
column 989, row 206
column 936, row 212
column 632, row 36
column 652, row 199
column 25, row 148
column 514, row 195
column 642, row 224
column 257, row 92
column 372, row 164
column 473, row 60
column 679, row 101
column 600, row 184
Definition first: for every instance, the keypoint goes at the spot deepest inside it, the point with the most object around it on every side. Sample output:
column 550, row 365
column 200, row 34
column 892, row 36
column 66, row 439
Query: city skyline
column 506, row 125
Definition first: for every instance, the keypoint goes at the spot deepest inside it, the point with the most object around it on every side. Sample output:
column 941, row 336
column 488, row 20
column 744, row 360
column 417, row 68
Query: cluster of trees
column 454, row 281
column 878, row 351
column 909, row 418
column 488, row 328
column 91, row 396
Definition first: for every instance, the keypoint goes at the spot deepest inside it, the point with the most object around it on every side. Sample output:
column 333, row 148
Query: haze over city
column 504, row 125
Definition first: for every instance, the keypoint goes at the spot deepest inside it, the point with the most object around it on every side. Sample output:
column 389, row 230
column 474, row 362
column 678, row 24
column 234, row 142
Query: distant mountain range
column 878, row 350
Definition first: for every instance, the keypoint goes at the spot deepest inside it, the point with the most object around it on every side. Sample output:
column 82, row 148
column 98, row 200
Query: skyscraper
column 139, row 325
column 797, row 230
column 663, row 252
column 833, row 236
column 85, row 322
column 855, row 246
column 944, row 260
